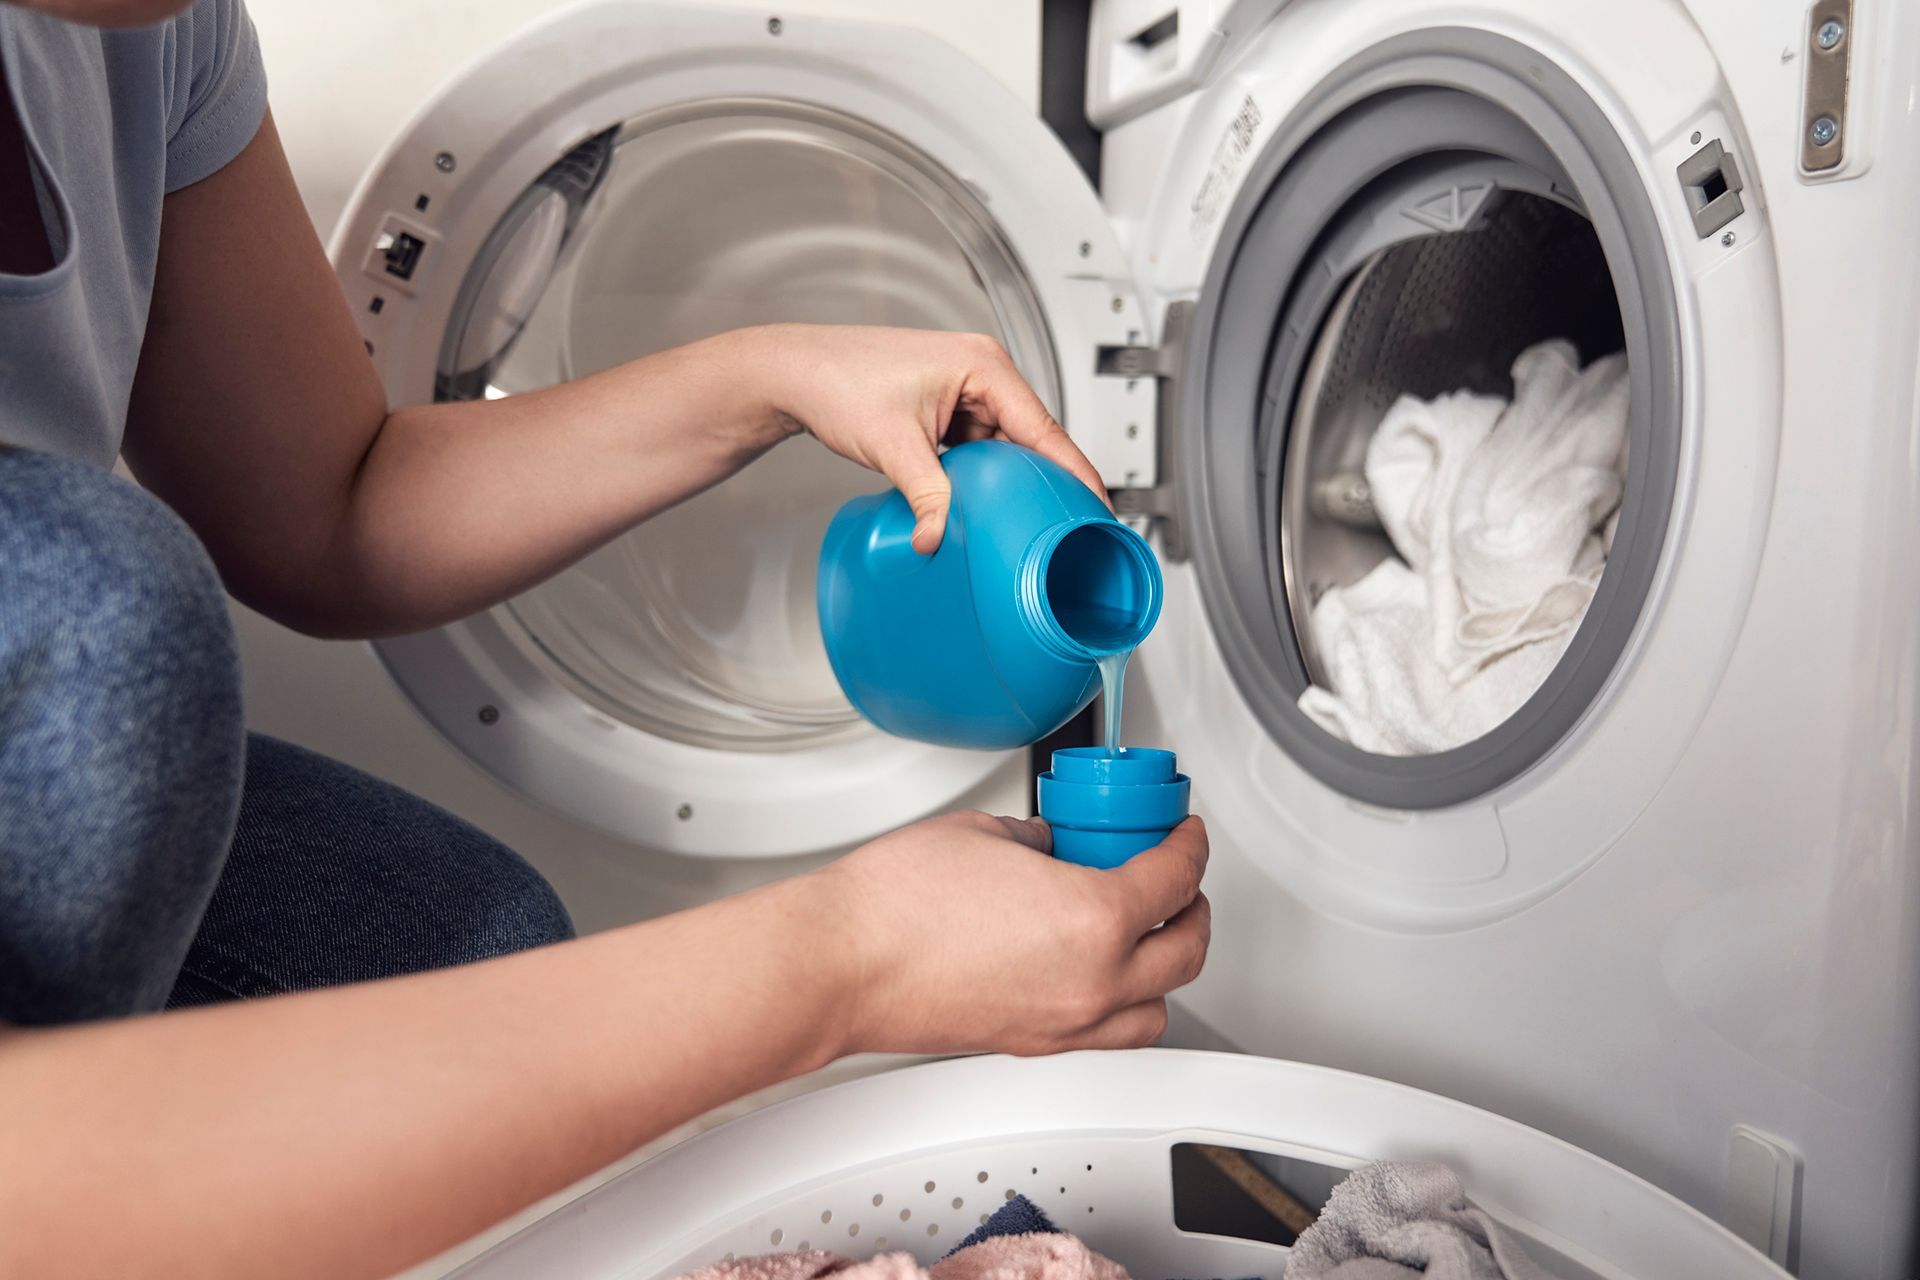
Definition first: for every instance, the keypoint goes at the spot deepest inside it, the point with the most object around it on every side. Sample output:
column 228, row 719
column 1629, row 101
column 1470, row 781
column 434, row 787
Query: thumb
column 916, row 471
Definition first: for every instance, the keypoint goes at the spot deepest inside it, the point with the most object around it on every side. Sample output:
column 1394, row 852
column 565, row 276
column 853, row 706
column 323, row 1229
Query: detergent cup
column 1105, row 808
column 994, row 640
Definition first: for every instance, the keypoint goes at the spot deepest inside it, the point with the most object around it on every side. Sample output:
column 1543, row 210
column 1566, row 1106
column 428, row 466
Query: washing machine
column 1666, row 911
column 713, row 751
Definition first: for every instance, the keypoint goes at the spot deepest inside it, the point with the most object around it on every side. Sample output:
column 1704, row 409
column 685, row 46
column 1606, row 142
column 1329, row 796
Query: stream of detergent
column 1113, row 692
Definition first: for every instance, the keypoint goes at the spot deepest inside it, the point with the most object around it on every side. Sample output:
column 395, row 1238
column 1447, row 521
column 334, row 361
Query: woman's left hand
column 888, row 398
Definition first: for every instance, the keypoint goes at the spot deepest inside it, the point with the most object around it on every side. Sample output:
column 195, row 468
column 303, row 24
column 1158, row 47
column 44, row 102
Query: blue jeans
column 152, row 852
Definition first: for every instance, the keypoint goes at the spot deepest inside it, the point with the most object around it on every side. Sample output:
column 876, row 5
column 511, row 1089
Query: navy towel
column 1017, row 1217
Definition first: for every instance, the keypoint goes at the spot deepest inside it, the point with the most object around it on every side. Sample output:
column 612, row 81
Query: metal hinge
column 1829, row 53
column 1164, row 363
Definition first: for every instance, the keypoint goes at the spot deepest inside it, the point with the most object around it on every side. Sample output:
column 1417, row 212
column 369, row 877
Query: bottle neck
column 1089, row 587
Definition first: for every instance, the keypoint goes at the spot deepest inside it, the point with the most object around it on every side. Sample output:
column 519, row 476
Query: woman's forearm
column 457, row 506
column 354, row 1131
column 257, row 415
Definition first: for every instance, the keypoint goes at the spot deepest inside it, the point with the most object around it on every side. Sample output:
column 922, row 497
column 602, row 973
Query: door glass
column 700, row 625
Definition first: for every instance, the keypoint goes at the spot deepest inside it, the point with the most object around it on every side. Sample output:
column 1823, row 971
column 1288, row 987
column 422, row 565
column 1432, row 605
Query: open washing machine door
column 630, row 177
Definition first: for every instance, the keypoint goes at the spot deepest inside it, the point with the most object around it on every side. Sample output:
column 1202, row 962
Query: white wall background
column 344, row 75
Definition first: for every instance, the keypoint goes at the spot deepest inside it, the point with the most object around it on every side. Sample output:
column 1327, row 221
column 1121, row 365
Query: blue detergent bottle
column 998, row 638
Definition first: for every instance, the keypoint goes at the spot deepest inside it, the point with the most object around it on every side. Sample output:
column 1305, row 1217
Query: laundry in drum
column 1501, row 515
column 1393, row 1220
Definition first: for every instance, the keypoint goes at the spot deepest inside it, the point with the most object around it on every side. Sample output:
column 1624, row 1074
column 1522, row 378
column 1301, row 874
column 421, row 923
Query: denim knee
column 120, row 740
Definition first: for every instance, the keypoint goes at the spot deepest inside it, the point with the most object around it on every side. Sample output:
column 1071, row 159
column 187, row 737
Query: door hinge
column 1164, row 364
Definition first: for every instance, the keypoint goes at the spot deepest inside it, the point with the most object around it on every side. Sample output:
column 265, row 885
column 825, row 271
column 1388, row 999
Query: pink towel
column 1031, row 1257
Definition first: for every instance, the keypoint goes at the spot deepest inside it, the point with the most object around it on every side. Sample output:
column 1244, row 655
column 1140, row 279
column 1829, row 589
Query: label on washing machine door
column 1217, row 185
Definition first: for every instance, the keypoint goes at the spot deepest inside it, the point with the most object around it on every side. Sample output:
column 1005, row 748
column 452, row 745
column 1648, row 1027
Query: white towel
column 1502, row 513
column 1407, row 1220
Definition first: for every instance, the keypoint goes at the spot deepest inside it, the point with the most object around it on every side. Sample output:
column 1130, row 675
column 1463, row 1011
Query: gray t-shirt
column 113, row 120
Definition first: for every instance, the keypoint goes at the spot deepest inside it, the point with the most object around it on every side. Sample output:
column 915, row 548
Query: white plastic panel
column 1143, row 53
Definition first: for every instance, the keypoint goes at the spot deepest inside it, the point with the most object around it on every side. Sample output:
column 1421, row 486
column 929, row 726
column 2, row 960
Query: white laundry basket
column 917, row 1157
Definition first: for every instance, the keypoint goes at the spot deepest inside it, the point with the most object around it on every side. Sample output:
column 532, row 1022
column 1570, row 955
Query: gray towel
column 1407, row 1219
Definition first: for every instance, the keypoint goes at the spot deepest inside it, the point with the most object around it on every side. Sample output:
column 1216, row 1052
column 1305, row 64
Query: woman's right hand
column 963, row 936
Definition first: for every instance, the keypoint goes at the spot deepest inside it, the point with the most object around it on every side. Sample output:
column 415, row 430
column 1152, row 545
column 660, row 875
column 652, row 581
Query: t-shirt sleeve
column 219, row 90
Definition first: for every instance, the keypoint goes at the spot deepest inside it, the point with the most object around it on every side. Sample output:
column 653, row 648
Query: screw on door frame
column 1727, row 240
column 684, row 812
column 1824, row 131
column 1830, row 34
column 774, row 26
column 489, row 714
column 444, row 162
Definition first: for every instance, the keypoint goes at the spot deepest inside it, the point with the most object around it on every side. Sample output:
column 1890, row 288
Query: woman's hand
column 887, row 398
column 965, row 937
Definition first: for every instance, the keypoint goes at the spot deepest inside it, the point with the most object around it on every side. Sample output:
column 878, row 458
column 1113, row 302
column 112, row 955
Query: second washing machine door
column 631, row 177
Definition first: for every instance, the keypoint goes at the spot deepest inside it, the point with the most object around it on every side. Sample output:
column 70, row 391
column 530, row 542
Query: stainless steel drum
column 1446, row 311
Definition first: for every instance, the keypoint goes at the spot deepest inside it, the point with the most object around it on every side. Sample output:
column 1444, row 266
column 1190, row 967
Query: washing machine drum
column 1414, row 244
column 1425, row 317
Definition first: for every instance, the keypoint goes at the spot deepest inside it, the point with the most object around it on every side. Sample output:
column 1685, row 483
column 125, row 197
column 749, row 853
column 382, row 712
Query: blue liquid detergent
column 1113, row 695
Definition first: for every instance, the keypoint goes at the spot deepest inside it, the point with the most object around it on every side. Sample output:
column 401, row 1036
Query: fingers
column 1158, row 884
column 999, row 395
column 916, row 472
column 1171, row 956
column 1134, row 1027
column 1031, row 832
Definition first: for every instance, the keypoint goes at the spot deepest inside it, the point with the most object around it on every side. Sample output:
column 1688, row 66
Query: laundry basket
column 916, row 1157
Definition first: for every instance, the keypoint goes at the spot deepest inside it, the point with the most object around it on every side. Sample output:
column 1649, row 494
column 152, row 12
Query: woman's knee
column 104, row 582
column 120, row 737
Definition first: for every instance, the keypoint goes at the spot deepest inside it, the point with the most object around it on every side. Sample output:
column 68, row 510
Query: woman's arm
column 257, row 415
column 352, row 1132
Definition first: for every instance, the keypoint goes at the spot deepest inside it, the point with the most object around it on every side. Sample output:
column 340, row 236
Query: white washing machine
column 1667, row 912
column 715, row 753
